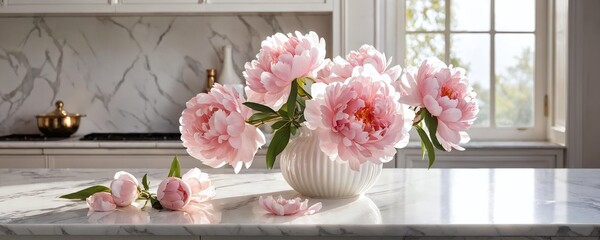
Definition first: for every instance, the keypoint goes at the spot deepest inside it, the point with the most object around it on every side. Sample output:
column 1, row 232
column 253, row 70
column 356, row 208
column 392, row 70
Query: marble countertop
column 404, row 202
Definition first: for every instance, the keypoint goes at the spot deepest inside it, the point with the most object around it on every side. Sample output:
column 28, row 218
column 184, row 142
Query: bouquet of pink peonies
column 361, row 108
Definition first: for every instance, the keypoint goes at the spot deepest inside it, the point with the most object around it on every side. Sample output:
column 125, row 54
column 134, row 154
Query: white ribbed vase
column 310, row 172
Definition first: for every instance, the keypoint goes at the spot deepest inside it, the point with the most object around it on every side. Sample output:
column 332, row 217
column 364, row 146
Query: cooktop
column 131, row 137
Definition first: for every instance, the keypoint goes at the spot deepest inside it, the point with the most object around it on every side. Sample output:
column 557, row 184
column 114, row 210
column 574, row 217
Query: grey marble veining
column 130, row 73
column 404, row 202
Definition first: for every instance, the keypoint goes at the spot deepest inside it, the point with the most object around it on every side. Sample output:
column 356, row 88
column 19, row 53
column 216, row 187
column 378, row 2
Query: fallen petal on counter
column 285, row 207
column 101, row 202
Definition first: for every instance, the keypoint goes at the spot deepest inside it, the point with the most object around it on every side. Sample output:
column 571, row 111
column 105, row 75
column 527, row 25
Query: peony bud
column 173, row 193
column 124, row 189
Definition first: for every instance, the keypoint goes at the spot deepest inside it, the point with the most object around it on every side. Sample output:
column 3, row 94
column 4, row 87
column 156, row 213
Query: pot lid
column 58, row 112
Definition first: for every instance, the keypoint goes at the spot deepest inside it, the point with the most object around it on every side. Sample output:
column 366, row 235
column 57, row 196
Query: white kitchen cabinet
column 162, row 6
column 160, row 1
column 270, row 5
column 54, row 2
column 56, row 6
column 119, row 161
column 222, row 6
column 485, row 158
column 22, row 161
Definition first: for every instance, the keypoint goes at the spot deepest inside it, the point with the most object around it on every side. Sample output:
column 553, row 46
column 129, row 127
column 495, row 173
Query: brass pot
column 58, row 123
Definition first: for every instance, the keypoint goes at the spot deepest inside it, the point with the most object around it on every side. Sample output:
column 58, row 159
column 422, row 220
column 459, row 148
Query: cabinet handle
column 113, row 2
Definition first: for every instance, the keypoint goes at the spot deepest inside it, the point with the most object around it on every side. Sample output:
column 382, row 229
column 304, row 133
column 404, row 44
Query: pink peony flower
column 340, row 69
column 173, row 193
column 200, row 184
column 214, row 129
column 282, row 206
column 446, row 94
column 413, row 87
column 280, row 60
column 101, row 202
column 124, row 188
column 359, row 120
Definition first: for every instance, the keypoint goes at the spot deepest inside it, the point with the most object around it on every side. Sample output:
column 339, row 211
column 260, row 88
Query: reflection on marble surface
column 128, row 74
column 404, row 202
column 355, row 210
column 124, row 215
column 194, row 213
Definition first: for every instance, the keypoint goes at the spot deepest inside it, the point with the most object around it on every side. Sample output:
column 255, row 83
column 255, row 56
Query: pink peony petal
column 101, row 202
column 432, row 105
column 283, row 207
column 314, row 208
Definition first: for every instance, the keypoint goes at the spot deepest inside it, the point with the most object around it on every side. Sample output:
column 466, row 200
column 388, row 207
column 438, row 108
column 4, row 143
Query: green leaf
column 432, row 123
column 175, row 170
column 303, row 92
column 155, row 203
column 428, row 145
column 422, row 150
column 262, row 117
column 302, row 119
column 278, row 143
column 302, row 103
column 293, row 130
column 291, row 102
column 259, row 107
column 279, row 124
column 302, row 82
column 85, row 193
column 145, row 182
column 283, row 111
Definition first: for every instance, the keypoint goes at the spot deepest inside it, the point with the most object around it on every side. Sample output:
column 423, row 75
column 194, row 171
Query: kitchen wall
column 127, row 74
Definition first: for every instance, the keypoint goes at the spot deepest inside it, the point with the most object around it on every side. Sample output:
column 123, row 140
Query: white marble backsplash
column 127, row 74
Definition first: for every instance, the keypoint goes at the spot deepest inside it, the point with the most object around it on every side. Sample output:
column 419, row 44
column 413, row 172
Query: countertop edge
column 377, row 230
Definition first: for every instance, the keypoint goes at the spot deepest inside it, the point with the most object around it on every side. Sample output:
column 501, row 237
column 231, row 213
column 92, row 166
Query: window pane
column 422, row 46
column 514, row 80
column 425, row 15
column 470, row 15
column 515, row 15
column 472, row 52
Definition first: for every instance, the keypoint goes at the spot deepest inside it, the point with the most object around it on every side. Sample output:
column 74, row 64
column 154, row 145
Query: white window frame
column 539, row 129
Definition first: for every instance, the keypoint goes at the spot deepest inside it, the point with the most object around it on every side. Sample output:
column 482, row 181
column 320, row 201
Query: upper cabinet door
column 51, row 2
column 159, row 1
column 57, row 6
column 163, row 6
column 269, row 5
column 160, row 6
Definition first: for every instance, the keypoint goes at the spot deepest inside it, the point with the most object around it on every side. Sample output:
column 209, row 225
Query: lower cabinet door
column 119, row 161
column 484, row 158
column 22, row 161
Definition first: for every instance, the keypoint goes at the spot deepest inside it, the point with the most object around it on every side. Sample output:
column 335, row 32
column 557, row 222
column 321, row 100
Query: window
column 501, row 44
